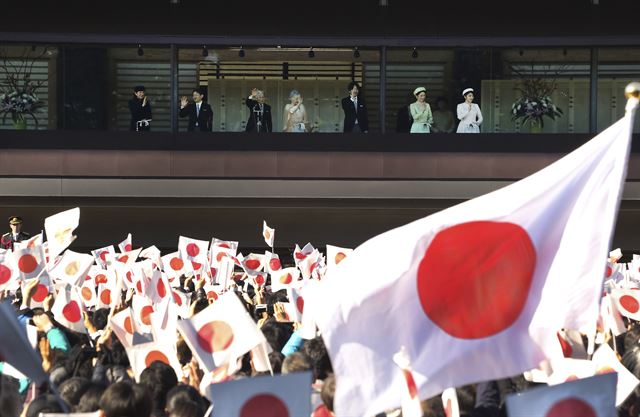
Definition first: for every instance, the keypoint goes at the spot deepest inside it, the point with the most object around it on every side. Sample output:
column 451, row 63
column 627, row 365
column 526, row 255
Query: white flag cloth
column 335, row 255
column 143, row 355
column 152, row 253
column 221, row 333
column 268, row 234
column 486, row 284
column 72, row 268
column 36, row 240
column 193, row 251
column 590, row 397
column 572, row 344
column 59, row 229
column 627, row 302
column 68, row 309
column 29, row 261
column 126, row 245
column 15, row 347
column 8, row 270
column 282, row 395
column 606, row 361
column 174, row 266
column 102, row 253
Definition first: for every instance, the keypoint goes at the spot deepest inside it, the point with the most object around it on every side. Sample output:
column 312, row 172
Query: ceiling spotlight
column 140, row 50
column 205, row 51
column 311, row 53
column 241, row 52
column 356, row 53
column 414, row 54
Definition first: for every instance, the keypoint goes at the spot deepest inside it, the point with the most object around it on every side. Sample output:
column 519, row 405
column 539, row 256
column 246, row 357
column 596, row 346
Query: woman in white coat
column 469, row 114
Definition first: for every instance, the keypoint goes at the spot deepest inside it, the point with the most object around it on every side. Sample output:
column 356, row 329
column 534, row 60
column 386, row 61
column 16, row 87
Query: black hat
column 138, row 88
column 15, row 220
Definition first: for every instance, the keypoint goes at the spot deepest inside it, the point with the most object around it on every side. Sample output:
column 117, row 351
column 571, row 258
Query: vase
column 536, row 127
column 19, row 123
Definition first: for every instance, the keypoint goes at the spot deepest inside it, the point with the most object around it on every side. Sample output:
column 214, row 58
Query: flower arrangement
column 17, row 89
column 535, row 101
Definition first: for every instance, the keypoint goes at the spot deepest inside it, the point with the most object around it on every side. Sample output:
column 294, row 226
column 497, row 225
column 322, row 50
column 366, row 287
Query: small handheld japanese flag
column 627, row 302
column 193, row 251
column 8, row 270
column 102, row 253
column 29, row 261
column 221, row 333
column 589, row 397
column 126, row 245
column 143, row 355
column 606, row 361
column 59, row 229
column 68, row 309
column 72, row 268
column 268, row 234
column 282, row 396
column 174, row 266
column 335, row 255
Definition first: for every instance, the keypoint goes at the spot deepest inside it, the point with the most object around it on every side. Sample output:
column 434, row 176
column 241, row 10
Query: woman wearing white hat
column 421, row 112
column 469, row 114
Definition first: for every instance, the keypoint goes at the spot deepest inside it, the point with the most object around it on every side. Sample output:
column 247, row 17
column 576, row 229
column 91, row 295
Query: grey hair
column 259, row 93
column 294, row 93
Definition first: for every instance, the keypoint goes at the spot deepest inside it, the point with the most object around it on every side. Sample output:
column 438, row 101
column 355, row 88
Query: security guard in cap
column 15, row 235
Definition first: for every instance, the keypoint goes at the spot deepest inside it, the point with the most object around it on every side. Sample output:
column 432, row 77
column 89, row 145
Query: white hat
column 419, row 90
column 467, row 90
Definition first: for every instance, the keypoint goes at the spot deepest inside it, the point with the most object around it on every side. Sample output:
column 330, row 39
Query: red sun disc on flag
column 474, row 278
column 128, row 276
column 128, row 325
column 103, row 256
column 286, row 278
column 220, row 255
column 267, row 235
column 101, row 279
column 567, row 350
column 260, row 280
column 275, row 264
column 176, row 264
column 571, row 378
column 72, row 312
column 629, row 303
column 212, row 295
column 215, row 336
column 162, row 291
column 105, row 297
column 214, row 271
column 5, row 274
column 264, row 405
column 571, row 407
column 177, row 299
column 139, row 287
column 41, row 293
column 72, row 268
column 252, row 263
column 223, row 245
column 300, row 304
column 145, row 315
column 448, row 408
column 193, row 249
column 608, row 272
column 299, row 256
column 155, row 355
column 27, row 263
column 128, row 247
column 196, row 266
column 86, row 293
column 123, row 259
column 339, row 257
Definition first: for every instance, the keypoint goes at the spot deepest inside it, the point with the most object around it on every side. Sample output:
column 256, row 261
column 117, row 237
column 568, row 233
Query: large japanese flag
column 483, row 286
column 72, row 268
column 590, row 397
column 265, row 396
column 59, row 229
column 15, row 348
column 221, row 333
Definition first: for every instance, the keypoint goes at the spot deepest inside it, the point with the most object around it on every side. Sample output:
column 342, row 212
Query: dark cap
column 15, row 220
column 138, row 88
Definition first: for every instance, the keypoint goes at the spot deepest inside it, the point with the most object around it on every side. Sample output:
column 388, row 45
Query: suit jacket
column 139, row 112
column 204, row 119
column 265, row 118
column 350, row 115
column 6, row 242
column 403, row 120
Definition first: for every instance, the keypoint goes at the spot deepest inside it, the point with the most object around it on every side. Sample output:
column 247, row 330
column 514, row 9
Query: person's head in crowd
column 317, row 352
column 90, row 400
column 296, row 362
column 198, row 95
column 631, row 360
column 45, row 403
column 442, row 103
column 124, row 399
column 260, row 97
column 100, row 318
column 139, row 91
column 79, row 361
column 277, row 297
column 631, row 406
column 185, row 394
column 72, row 390
column 15, row 224
column 184, row 353
column 631, row 336
column 353, row 88
column 467, row 93
column 276, row 358
column 158, row 379
column 10, row 401
column 420, row 94
column 186, row 409
column 277, row 333
column 328, row 391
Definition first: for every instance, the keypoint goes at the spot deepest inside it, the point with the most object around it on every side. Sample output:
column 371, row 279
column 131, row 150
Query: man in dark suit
column 140, row 109
column 200, row 113
column 15, row 235
column 259, row 113
column 355, row 111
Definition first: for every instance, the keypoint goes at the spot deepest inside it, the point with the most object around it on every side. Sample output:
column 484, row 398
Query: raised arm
column 429, row 115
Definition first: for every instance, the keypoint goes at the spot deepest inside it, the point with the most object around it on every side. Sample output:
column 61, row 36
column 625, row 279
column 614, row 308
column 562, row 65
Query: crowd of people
column 414, row 118
column 92, row 370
